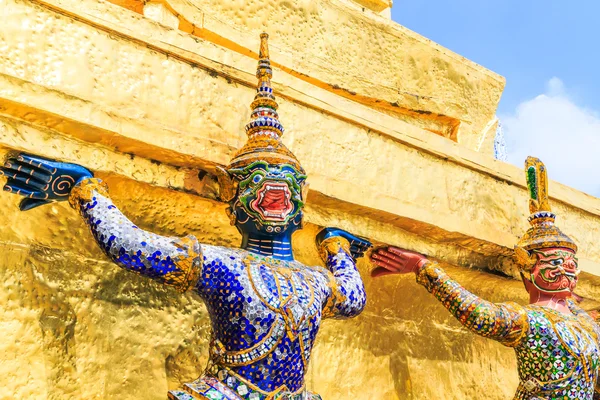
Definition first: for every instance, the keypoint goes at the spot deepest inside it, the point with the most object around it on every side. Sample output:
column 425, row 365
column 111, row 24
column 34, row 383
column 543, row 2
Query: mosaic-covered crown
column 264, row 129
column 542, row 233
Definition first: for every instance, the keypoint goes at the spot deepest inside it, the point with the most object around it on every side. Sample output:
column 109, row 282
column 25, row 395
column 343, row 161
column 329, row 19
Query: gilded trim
column 224, row 357
column 332, row 246
column 270, row 395
column 84, row 191
column 189, row 267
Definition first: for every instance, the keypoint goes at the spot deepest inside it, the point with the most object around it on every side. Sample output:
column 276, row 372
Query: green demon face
column 269, row 198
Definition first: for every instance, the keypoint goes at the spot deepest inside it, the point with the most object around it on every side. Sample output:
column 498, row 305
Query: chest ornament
column 287, row 289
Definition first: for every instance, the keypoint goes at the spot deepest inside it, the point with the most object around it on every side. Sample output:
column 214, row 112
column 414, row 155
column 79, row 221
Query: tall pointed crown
column 542, row 233
column 264, row 129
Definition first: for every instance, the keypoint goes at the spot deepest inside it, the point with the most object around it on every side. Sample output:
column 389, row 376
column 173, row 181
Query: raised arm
column 339, row 250
column 172, row 261
column 506, row 323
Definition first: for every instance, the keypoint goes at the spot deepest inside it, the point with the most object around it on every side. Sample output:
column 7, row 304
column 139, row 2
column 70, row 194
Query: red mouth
column 273, row 202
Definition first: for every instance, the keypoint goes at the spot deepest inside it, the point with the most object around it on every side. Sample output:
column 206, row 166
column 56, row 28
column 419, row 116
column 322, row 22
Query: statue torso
column 558, row 357
column 265, row 314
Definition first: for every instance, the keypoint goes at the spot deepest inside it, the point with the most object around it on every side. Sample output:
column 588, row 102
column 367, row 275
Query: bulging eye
column 557, row 262
column 257, row 178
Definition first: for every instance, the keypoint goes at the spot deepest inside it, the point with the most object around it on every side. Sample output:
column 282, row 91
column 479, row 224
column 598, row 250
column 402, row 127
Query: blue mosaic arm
column 172, row 261
column 507, row 322
column 347, row 292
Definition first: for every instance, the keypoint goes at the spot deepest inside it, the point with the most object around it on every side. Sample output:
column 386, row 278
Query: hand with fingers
column 40, row 180
column 358, row 246
column 393, row 260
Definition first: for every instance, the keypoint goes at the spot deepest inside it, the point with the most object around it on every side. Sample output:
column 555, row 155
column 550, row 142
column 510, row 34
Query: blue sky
column 549, row 53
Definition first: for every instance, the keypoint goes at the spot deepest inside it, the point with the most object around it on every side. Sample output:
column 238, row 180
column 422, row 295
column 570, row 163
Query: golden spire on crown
column 264, row 129
column 542, row 233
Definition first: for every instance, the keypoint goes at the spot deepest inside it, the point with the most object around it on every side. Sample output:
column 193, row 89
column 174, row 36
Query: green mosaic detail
column 532, row 183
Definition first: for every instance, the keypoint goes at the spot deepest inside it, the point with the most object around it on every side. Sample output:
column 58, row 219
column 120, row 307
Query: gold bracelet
column 83, row 191
column 332, row 246
column 427, row 273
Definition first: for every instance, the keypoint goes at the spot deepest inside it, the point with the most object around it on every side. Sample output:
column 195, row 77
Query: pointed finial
column 264, row 73
column 264, row 129
column 542, row 233
column 537, row 183
column 263, row 53
column 264, row 117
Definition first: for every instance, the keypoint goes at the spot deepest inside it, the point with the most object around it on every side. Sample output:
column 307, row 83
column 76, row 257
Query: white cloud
column 565, row 136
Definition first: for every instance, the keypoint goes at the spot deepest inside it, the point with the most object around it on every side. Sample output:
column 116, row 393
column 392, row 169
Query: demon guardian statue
column 556, row 342
column 265, row 308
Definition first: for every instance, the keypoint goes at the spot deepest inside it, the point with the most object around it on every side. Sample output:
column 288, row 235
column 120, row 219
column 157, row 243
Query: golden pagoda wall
column 148, row 106
column 345, row 48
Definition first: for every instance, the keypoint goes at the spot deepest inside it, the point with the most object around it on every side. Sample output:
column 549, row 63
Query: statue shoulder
column 221, row 254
